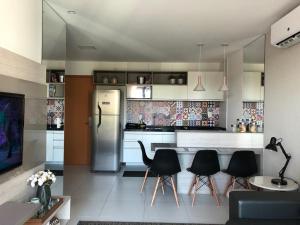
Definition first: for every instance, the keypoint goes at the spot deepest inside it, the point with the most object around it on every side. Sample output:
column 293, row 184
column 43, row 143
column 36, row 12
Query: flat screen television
column 11, row 130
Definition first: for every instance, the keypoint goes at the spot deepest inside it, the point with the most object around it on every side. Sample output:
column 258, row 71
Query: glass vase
column 44, row 194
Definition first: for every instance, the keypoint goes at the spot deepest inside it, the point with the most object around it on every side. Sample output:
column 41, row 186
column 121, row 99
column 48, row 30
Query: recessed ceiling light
column 71, row 12
column 87, row 47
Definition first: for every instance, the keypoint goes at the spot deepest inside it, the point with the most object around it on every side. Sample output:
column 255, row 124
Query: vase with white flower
column 43, row 181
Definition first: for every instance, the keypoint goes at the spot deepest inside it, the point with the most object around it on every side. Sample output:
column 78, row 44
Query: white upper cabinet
column 211, row 81
column 169, row 92
column 252, row 89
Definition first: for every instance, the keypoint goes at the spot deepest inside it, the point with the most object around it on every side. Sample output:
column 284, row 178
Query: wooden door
column 78, row 102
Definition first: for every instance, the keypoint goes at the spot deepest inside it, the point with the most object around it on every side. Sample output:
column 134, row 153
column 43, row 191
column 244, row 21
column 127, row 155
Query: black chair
column 242, row 165
column 205, row 164
column 147, row 163
column 165, row 164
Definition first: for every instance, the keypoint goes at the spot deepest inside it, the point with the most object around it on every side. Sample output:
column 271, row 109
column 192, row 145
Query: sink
column 154, row 129
column 160, row 129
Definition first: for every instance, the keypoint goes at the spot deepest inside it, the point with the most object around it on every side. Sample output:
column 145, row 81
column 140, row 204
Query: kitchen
column 155, row 105
column 166, row 107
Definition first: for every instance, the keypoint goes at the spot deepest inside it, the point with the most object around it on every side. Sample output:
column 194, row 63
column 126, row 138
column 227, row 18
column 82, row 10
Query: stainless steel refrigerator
column 106, row 130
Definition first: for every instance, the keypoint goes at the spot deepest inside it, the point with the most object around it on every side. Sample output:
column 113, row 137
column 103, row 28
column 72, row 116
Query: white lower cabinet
column 132, row 154
column 55, row 147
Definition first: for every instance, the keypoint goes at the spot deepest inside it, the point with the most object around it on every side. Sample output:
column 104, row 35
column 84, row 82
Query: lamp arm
column 283, row 150
column 288, row 158
column 282, row 171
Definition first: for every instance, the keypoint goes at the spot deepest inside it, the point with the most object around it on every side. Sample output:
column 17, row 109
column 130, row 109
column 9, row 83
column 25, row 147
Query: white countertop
column 193, row 150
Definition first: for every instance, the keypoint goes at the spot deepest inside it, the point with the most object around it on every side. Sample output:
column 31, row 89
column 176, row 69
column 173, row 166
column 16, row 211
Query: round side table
column 265, row 183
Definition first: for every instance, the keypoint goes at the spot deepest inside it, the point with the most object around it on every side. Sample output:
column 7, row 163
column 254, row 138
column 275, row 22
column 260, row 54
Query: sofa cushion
column 262, row 222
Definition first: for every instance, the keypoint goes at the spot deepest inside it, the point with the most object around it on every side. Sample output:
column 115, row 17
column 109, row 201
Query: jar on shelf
column 114, row 80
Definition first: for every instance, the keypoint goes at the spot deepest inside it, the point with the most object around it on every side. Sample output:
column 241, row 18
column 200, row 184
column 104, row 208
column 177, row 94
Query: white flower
column 41, row 177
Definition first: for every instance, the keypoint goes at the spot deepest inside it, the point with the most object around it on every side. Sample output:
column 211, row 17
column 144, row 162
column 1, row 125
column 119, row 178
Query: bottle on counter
column 237, row 123
column 234, row 128
column 247, row 124
column 242, row 127
column 252, row 127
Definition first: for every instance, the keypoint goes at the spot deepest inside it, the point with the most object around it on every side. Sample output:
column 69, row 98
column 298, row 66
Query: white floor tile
column 111, row 197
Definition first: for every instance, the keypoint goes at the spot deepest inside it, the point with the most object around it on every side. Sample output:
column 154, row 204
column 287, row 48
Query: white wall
column 87, row 67
column 282, row 107
column 54, row 64
column 235, row 93
column 21, row 27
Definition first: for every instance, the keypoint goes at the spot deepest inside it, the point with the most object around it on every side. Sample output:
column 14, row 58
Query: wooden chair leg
column 233, row 182
column 192, row 185
column 212, row 181
column 155, row 190
column 229, row 183
column 248, row 184
column 195, row 190
column 175, row 192
column 210, row 186
column 162, row 186
column 144, row 181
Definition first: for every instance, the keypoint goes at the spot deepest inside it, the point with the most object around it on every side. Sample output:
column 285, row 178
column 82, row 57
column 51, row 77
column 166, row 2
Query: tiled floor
column 111, row 197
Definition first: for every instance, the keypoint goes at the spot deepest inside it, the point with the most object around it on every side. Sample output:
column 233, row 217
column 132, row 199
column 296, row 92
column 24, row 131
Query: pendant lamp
column 224, row 86
column 199, row 86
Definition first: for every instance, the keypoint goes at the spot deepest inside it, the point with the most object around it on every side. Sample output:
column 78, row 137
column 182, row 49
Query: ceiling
column 164, row 30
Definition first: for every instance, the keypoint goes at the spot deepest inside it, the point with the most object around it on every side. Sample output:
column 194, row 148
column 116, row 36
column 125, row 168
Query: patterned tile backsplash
column 255, row 111
column 174, row 113
column 55, row 109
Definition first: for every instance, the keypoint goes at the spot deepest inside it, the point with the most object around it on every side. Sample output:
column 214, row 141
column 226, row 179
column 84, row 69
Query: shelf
column 164, row 78
column 132, row 77
column 109, row 76
column 54, row 76
column 56, row 83
column 61, row 98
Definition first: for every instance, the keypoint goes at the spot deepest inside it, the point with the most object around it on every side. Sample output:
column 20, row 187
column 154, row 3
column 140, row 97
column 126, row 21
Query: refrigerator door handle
column 100, row 112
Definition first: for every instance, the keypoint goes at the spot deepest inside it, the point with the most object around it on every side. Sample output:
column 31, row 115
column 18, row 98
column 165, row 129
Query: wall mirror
column 54, row 34
column 253, row 81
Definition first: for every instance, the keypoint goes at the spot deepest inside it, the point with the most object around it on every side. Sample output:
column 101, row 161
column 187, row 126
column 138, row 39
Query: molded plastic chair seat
column 147, row 162
column 205, row 164
column 242, row 165
column 165, row 164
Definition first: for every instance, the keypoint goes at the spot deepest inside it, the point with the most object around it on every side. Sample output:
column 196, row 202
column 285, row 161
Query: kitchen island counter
column 186, row 156
column 193, row 150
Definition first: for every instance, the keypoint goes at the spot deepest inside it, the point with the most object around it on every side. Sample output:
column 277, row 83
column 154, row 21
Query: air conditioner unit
column 286, row 31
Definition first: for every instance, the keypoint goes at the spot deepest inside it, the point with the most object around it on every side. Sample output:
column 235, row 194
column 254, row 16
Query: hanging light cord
column 224, row 53
column 200, row 56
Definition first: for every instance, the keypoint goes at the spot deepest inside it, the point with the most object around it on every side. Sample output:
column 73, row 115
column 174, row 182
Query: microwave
column 139, row 92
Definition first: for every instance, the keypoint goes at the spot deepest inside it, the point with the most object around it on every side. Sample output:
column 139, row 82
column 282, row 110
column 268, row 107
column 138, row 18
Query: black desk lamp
column 273, row 146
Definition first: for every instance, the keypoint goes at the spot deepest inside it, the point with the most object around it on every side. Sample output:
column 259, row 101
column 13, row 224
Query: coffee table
column 264, row 182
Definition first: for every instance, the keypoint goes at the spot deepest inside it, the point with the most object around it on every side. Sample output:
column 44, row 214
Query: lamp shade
column 199, row 86
column 272, row 145
column 224, row 86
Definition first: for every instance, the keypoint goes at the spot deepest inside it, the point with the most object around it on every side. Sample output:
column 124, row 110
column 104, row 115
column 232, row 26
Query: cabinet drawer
column 58, row 154
column 131, row 144
column 169, row 138
column 58, row 136
column 133, row 137
column 59, row 144
column 132, row 155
